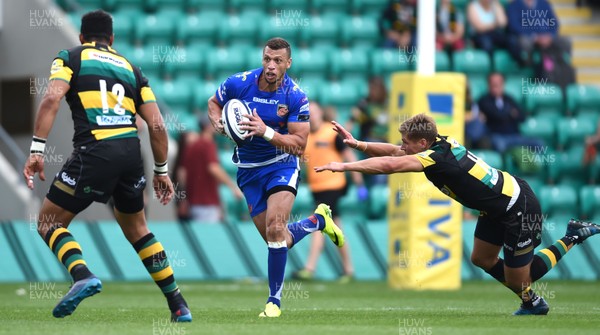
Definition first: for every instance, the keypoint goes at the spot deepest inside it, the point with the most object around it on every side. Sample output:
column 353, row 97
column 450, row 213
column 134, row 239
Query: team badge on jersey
column 282, row 110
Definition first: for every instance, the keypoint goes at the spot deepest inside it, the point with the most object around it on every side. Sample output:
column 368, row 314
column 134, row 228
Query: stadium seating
column 310, row 63
column 544, row 99
column 558, row 199
column 583, row 99
column 572, row 131
column 349, row 64
column 155, row 29
column 322, row 32
column 199, row 29
column 567, row 167
column 504, row 63
column 378, row 200
column 471, row 62
column 539, row 127
column 386, row 61
column 238, row 31
column 360, row 31
column 218, row 69
column 340, row 94
column 589, row 199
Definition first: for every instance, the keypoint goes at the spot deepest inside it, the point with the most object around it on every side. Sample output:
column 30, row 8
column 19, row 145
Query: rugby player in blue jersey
column 268, row 164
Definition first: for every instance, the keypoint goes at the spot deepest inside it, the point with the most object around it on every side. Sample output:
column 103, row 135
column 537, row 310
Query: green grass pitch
column 309, row 308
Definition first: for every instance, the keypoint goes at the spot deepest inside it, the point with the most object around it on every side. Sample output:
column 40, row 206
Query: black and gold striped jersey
column 105, row 91
column 467, row 179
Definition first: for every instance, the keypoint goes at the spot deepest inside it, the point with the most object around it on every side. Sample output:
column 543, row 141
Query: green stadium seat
column 442, row 61
column 88, row 5
column 378, row 200
column 339, row 94
column 122, row 28
column 539, row 127
column 310, row 63
column 146, row 58
column 583, row 99
column 278, row 7
column 245, row 5
column 9, row 262
column 321, row 33
column 304, row 204
column 220, row 250
column 254, row 58
column 558, row 199
column 386, row 61
column 372, row 8
column 227, row 163
column 513, row 86
column 123, row 48
column 177, row 94
column 167, row 5
column 350, row 205
column 349, row 63
column 478, row 87
column 535, row 182
column 155, row 30
column 126, row 5
column 504, row 63
column 360, row 31
column 312, row 87
column 238, row 30
column 594, row 170
column 224, row 62
column 471, row 61
column 284, row 27
column 186, row 63
column 567, row 166
column 589, row 199
column 529, row 161
column 492, row 158
column 202, row 92
column 198, row 29
column 207, row 6
column 331, row 6
column 573, row 131
column 543, row 99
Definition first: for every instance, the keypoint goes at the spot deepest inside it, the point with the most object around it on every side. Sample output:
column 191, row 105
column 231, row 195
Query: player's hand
column 163, row 188
column 254, row 124
column 333, row 166
column 349, row 140
column 217, row 123
column 33, row 165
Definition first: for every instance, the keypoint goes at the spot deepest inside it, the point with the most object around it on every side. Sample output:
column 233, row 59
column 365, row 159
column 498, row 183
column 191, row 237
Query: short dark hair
column 495, row 74
column 277, row 43
column 96, row 25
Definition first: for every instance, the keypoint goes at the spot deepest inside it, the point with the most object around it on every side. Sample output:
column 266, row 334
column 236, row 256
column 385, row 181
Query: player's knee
column 275, row 229
column 482, row 261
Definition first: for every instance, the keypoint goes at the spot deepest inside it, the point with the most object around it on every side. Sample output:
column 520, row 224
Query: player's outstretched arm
column 376, row 165
column 163, row 187
column 214, row 114
column 373, row 149
column 43, row 124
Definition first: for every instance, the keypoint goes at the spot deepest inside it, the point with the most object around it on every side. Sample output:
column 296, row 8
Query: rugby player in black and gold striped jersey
column 106, row 93
column 510, row 216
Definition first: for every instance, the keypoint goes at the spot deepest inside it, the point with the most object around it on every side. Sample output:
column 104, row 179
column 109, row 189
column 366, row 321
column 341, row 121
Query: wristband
column 161, row 169
column 38, row 145
column 269, row 134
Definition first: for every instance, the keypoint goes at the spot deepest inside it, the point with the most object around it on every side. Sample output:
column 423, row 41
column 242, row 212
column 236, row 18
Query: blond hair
column 418, row 127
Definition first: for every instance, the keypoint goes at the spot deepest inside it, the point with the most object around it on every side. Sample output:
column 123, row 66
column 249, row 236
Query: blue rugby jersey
column 287, row 104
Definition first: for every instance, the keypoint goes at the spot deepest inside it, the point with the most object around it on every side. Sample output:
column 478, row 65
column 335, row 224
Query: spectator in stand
column 323, row 145
column 503, row 116
column 182, row 206
column 370, row 114
column 475, row 131
column 533, row 24
column 488, row 21
column 450, row 27
column 592, row 145
column 398, row 24
column 200, row 174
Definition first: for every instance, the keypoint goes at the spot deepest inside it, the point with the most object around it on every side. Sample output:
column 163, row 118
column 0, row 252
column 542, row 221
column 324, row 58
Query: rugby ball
column 232, row 114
